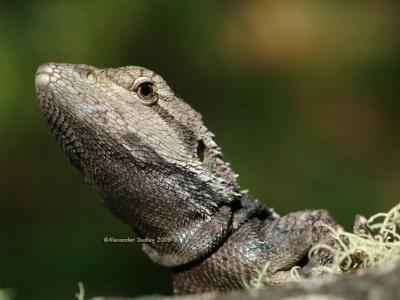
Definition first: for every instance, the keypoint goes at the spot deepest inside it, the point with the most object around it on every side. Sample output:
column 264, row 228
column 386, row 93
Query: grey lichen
column 373, row 242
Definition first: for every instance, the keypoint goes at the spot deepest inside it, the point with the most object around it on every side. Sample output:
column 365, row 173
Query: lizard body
column 156, row 166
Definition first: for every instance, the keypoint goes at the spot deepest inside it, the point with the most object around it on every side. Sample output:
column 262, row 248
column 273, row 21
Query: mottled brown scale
column 156, row 166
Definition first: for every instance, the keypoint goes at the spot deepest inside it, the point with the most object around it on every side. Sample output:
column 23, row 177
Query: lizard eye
column 144, row 88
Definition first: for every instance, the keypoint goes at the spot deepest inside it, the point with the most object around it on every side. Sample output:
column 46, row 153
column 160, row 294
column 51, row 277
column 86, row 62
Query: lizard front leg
column 281, row 243
column 293, row 235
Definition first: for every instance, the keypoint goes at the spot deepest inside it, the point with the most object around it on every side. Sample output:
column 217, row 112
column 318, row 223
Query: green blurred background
column 302, row 96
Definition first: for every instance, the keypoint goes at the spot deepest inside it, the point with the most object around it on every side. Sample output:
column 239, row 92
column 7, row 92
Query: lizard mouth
column 61, row 124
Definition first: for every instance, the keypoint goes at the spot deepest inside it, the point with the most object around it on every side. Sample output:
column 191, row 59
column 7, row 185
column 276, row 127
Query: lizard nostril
column 201, row 149
column 91, row 76
column 88, row 74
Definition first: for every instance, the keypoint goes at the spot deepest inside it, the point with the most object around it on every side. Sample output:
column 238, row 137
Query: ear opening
column 201, row 149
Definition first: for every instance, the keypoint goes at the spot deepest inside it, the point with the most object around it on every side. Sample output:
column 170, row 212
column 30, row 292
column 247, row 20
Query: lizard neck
column 182, row 216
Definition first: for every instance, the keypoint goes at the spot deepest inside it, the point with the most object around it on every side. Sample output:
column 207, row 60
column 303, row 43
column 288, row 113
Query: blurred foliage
column 302, row 96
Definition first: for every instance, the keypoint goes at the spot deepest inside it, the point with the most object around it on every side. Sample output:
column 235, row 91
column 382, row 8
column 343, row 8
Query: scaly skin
column 156, row 166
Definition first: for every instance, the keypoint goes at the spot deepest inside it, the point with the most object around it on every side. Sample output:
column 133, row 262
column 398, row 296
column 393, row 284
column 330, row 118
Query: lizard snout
column 43, row 75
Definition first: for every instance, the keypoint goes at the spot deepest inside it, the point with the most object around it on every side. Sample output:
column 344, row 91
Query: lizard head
column 143, row 149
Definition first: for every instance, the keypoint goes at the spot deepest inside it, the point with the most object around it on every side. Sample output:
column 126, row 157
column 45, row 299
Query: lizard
column 156, row 166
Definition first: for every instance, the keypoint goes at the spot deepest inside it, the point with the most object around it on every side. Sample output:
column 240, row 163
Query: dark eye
column 145, row 90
